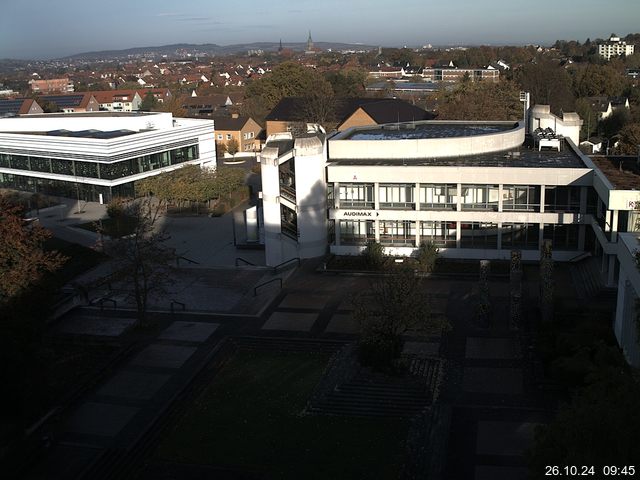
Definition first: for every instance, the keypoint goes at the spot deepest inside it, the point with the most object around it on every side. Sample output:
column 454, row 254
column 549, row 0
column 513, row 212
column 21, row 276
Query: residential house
column 118, row 100
column 161, row 94
column 74, row 102
column 244, row 130
column 605, row 106
column 206, row 106
column 288, row 114
column 18, row 106
column 615, row 47
column 591, row 145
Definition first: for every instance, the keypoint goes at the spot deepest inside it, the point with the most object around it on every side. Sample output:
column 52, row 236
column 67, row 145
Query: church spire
column 309, row 43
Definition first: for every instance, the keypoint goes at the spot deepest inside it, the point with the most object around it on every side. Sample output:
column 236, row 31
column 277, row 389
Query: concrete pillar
column 540, row 235
column 500, row 189
column 611, row 273
column 376, row 226
column 376, row 196
column 336, row 195
column 459, row 204
column 583, row 200
column 499, row 246
column 614, row 225
column 337, row 233
column 416, row 197
column 542, row 200
column 458, row 227
column 417, row 233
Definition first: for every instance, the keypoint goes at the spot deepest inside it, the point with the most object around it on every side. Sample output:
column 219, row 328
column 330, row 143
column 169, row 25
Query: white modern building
column 614, row 48
column 477, row 190
column 97, row 156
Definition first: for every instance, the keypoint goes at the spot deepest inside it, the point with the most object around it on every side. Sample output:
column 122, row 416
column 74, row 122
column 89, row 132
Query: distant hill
column 209, row 49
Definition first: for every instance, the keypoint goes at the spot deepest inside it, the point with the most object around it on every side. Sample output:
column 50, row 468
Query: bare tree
column 143, row 260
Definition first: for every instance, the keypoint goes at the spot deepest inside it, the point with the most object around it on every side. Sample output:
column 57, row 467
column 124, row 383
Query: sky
column 41, row 29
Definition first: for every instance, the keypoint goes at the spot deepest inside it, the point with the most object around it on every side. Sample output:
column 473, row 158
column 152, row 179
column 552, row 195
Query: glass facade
column 480, row 197
column 105, row 171
column 392, row 196
column 563, row 237
column 521, row 198
column 398, row 233
column 562, row 199
column 289, row 222
column 356, row 232
column 441, row 234
column 479, row 235
column 438, row 196
column 520, row 236
column 356, row 195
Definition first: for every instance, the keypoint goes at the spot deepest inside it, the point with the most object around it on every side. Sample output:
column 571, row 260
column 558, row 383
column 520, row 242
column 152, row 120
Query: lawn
column 250, row 418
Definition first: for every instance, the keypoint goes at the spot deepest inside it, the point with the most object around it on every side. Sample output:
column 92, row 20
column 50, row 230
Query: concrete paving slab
column 163, row 356
column 507, row 381
column 134, row 385
column 421, row 349
column 100, row 419
column 189, row 331
column 343, row 323
column 495, row 472
column 303, row 300
column 504, row 438
column 492, row 348
column 99, row 326
column 299, row 322
column 438, row 305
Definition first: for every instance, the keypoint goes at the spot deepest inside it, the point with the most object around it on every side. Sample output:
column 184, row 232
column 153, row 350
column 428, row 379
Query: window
column 520, row 197
column 356, row 195
column 479, row 235
column 480, row 197
column 356, row 232
column 563, row 237
column 229, row 136
column 219, row 136
column 398, row 233
column 520, row 236
column 441, row 234
column 562, row 199
column 398, row 196
column 438, row 196
column 288, row 222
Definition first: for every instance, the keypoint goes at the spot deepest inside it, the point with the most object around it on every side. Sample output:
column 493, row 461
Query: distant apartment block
column 452, row 74
column 614, row 48
column 52, row 85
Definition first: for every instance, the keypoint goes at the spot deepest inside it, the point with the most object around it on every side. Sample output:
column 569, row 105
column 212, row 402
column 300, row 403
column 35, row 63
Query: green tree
column 232, row 146
column 548, row 83
column 482, row 101
column 629, row 139
column 427, row 256
column 149, row 102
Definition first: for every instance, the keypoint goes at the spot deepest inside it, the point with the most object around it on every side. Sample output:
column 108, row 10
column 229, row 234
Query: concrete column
column 376, row 226
column 540, row 236
column 500, row 225
column 614, row 225
column 336, row 195
column 582, row 232
column 337, row 233
column 376, row 196
column 612, row 271
column 416, row 197
column 542, row 199
column 459, row 205
column 417, row 233
column 607, row 219
column 458, row 226
column 500, row 189
column 583, row 200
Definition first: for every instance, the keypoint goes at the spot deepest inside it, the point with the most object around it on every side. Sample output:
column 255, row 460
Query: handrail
column 175, row 302
column 275, row 269
column 240, row 259
column 102, row 300
column 180, row 257
column 580, row 256
column 255, row 289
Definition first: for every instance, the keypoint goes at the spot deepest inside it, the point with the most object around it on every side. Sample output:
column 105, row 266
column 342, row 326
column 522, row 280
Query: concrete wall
column 540, row 116
column 628, row 288
column 341, row 147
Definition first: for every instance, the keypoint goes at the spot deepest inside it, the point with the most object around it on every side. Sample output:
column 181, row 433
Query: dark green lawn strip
column 249, row 418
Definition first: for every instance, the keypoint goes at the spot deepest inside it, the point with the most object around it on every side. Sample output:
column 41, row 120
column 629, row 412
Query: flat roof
column 83, row 133
column 622, row 172
column 524, row 157
column 420, row 130
column 88, row 114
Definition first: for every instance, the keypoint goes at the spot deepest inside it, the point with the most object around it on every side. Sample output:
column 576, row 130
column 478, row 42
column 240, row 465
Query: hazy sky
column 54, row 28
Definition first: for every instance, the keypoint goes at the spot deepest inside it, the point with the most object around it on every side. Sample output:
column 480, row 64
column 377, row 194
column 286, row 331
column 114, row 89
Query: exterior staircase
column 589, row 281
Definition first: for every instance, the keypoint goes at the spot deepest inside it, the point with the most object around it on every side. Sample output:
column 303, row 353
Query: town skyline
column 72, row 28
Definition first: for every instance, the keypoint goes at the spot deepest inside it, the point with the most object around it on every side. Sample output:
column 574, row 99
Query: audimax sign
column 367, row 214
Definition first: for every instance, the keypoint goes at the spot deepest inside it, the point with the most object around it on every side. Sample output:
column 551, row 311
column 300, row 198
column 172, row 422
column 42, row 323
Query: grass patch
column 249, row 418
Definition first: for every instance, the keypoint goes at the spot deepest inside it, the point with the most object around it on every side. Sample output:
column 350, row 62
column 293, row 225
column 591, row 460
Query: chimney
column 235, row 115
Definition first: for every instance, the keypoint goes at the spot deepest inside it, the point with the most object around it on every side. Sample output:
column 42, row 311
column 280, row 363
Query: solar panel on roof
column 10, row 106
column 64, row 101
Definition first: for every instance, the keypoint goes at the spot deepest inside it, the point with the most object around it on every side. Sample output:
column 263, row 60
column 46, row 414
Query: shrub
column 373, row 255
column 427, row 256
